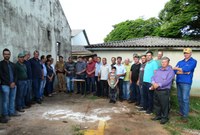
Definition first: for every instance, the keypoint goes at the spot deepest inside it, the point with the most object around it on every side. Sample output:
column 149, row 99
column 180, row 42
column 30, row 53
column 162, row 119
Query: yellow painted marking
column 99, row 131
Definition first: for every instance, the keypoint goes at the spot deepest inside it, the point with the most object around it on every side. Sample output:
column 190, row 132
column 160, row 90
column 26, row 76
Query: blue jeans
column 8, row 100
column 134, row 92
column 22, row 87
column 91, row 81
column 70, row 83
column 126, row 90
column 42, row 86
column 183, row 98
column 36, row 88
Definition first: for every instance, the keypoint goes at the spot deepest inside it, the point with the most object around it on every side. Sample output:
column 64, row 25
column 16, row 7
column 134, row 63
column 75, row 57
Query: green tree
column 180, row 19
column 133, row 29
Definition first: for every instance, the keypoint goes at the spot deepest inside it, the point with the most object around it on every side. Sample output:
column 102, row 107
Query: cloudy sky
column 98, row 16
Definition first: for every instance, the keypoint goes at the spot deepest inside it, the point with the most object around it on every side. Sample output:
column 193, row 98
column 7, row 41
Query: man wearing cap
column 184, row 71
column 8, row 79
column 22, row 85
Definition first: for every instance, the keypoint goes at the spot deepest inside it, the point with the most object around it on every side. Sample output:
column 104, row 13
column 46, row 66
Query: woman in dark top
column 50, row 75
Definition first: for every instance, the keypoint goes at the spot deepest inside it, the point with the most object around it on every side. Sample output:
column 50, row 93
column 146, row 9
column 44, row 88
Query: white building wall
column 79, row 39
column 174, row 56
column 24, row 25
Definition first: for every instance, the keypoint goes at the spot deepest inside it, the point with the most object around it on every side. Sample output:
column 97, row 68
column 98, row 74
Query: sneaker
column 142, row 110
column 149, row 112
column 138, row 107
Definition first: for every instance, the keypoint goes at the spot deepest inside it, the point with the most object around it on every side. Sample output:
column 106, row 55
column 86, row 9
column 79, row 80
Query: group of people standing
column 24, row 83
column 146, row 82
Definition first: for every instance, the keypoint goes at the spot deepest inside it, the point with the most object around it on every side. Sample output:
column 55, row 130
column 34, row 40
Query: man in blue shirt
column 184, row 71
column 149, row 69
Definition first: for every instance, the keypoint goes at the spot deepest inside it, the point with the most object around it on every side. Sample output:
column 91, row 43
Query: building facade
column 34, row 25
column 172, row 48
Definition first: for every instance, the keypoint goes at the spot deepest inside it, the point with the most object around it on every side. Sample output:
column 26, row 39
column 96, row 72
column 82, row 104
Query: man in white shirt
column 121, row 72
column 103, row 77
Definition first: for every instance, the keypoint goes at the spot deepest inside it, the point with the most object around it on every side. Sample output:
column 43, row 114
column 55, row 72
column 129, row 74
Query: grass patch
column 91, row 97
column 77, row 130
column 175, row 126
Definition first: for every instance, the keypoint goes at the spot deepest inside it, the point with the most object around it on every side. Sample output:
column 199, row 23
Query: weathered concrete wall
column 34, row 25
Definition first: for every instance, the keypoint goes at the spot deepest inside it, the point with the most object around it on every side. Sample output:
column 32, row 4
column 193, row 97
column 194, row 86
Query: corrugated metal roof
column 148, row 41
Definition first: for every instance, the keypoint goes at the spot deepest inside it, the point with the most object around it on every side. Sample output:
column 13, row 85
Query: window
column 58, row 45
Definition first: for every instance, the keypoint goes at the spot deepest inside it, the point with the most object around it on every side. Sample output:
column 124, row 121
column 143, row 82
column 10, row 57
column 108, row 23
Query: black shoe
column 77, row 92
column 130, row 101
column 149, row 112
column 137, row 104
column 163, row 121
column 20, row 110
column 156, row 118
column 15, row 115
column 39, row 102
column 3, row 120
column 114, row 102
column 110, row 101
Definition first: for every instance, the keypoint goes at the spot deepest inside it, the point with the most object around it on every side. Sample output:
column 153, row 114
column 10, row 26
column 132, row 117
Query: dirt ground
column 63, row 113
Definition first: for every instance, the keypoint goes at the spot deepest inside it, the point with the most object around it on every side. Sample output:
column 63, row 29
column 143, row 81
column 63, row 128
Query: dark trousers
column 104, row 88
column 28, row 96
column 135, row 93
column 98, row 86
column 81, row 85
column 49, row 89
column 36, row 88
column 161, row 103
column 113, row 94
column 148, row 96
column 120, row 86
column 91, row 81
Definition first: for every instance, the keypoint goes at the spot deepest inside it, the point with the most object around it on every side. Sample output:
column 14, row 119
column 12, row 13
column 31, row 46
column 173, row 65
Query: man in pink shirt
column 90, row 71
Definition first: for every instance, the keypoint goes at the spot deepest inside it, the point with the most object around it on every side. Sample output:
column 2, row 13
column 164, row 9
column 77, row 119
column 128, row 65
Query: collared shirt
column 128, row 69
column 11, row 75
column 60, row 66
column 188, row 68
column 44, row 69
column 141, row 74
column 149, row 69
column 163, row 77
column 120, row 69
column 80, row 66
column 90, row 67
column 104, row 71
column 28, row 67
column 21, row 71
column 70, row 67
column 97, row 68
column 36, row 68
